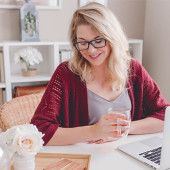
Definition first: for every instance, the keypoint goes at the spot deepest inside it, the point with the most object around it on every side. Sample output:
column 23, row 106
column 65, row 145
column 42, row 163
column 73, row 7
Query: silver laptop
column 153, row 151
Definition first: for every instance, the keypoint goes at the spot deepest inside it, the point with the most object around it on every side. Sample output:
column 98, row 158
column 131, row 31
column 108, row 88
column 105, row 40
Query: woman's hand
column 110, row 127
column 100, row 141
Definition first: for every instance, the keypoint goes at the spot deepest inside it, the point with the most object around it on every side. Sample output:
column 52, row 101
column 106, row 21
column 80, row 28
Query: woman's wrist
column 131, row 129
column 93, row 132
column 146, row 126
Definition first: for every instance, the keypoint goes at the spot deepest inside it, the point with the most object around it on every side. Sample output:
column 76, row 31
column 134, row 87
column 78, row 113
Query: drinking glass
column 117, row 122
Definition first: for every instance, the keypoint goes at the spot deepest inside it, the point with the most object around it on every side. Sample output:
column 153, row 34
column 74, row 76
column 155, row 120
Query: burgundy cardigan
column 65, row 104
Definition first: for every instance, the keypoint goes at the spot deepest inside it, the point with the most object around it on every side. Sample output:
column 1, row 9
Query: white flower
column 29, row 56
column 24, row 139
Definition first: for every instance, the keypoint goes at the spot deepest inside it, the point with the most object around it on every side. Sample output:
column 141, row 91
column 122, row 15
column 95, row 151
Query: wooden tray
column 42, row 160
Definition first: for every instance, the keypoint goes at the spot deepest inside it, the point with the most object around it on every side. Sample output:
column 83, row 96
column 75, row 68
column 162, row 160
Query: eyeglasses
column 84, row 45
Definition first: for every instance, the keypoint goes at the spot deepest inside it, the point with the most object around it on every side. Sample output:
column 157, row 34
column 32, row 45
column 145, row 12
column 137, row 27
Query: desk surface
column 105, row 156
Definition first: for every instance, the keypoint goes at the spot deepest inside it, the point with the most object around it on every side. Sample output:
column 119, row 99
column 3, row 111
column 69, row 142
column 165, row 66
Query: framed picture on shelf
column 29, row 23
column 40, row 4
column 84, row 2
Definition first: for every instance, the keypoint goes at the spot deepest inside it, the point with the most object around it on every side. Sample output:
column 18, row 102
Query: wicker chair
column 18, row 111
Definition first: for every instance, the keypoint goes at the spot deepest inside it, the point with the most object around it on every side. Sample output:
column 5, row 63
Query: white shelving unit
column 51, row 56
column 13, row 76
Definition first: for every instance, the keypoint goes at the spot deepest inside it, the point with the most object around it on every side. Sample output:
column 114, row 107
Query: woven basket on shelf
column 18, row 111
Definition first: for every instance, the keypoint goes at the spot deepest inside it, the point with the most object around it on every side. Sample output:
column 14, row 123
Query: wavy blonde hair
column 103, row 21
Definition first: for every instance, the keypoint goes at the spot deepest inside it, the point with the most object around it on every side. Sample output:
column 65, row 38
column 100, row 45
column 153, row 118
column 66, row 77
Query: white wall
column 156, row 58
column 53, row 24
column 131, row 14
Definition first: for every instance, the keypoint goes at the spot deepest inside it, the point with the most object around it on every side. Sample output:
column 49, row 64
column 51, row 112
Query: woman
column 100, row 75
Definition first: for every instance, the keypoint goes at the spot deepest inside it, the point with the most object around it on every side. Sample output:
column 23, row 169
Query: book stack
column 130, row 52
column 2, row 76
column 1, row 98
column 65, row 54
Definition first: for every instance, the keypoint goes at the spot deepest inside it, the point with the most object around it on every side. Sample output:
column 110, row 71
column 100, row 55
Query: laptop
column 153, row 151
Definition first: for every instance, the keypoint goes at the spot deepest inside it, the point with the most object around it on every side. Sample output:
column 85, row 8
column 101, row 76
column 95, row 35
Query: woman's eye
column 83, row 43
column 98, row 41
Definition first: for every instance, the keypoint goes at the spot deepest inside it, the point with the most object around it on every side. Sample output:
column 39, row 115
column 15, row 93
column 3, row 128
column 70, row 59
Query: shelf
column 19, row 43
column 2, row 85
column 19, row 78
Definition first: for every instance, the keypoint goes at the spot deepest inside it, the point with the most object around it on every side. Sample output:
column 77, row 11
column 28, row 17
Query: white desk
column 105, row 156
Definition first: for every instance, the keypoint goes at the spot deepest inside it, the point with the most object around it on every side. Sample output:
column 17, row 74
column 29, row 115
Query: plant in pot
column 28, row 57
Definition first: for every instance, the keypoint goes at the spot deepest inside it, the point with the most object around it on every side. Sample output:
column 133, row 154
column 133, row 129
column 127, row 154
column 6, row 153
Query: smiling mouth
column 94, row 56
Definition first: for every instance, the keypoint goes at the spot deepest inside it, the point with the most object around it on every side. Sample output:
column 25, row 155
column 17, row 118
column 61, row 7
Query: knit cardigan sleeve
column 64, row 103
column 147, row 100
column 47, row 116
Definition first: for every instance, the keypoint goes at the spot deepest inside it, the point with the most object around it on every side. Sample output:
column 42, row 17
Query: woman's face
column 95, row 56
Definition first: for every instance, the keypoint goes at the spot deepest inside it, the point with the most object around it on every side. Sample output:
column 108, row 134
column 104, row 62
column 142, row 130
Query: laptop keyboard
column 153, row 155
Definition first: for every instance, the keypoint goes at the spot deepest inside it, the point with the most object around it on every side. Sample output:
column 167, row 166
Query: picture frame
column 84, row 2
column 29, row 23
column 40, row 4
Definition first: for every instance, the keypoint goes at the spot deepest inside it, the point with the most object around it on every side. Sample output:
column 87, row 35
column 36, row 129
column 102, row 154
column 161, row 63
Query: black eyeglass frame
column 89, row 42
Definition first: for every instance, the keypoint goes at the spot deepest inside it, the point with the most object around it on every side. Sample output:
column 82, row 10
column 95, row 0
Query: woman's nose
column 91, row 49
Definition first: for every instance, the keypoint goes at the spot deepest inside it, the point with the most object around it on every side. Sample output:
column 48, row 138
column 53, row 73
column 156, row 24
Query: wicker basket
column 18, row 111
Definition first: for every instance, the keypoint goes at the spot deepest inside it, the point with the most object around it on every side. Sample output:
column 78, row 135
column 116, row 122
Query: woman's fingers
column 119, row 121
column 114, row 115
column 93, row 141
column 118, row 128
column 100, row 141
column 110, row 125
column 96, row 141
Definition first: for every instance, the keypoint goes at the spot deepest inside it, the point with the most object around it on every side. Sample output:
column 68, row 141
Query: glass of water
column 119, row 127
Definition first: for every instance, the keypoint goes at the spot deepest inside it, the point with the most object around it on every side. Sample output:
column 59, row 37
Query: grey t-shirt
column 97, row 105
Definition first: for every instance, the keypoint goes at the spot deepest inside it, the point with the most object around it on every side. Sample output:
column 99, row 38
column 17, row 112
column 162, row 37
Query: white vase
column 23, row 162
column 4, row 158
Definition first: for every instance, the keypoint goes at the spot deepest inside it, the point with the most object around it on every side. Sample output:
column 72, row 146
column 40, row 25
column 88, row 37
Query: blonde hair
column 102, row 20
